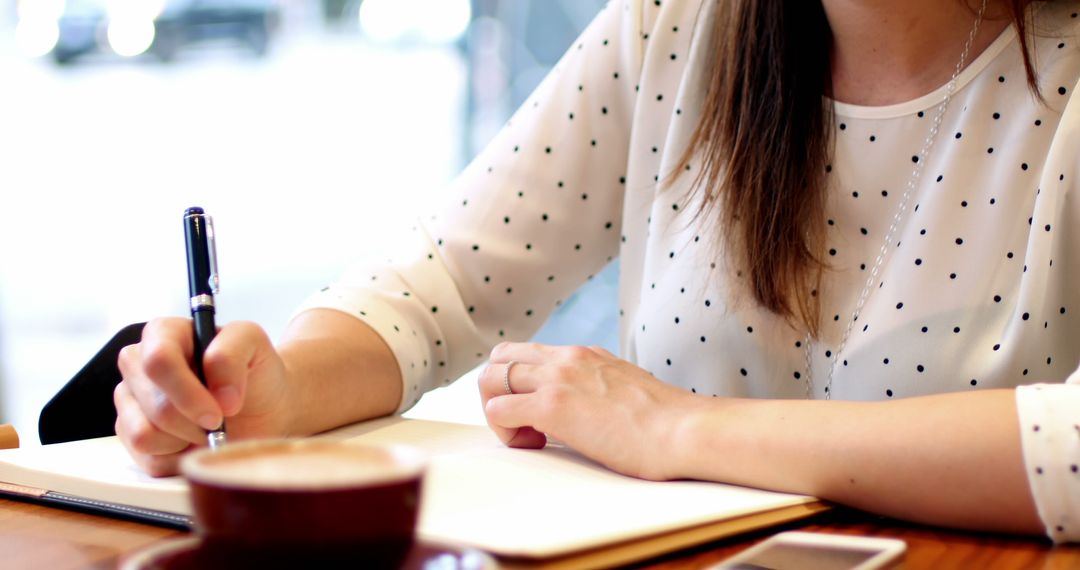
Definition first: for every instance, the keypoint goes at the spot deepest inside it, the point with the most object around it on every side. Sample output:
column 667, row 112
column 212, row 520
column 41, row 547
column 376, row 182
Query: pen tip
column 215, row 439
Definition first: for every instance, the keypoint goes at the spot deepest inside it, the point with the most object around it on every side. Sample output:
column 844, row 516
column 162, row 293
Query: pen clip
column 214, row 281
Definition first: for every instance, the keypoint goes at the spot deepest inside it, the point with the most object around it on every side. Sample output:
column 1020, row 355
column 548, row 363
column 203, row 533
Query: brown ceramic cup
column 277, row 503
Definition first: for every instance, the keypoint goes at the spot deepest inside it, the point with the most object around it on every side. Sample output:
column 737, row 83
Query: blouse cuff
column 376, row 309
column 1050, row 437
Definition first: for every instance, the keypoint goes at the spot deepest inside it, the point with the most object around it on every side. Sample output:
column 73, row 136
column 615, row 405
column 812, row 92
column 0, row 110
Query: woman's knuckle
column 562, row 374
column 486, row 391
column 250, row 330
column 160, row 412
column 499, row 350
column 216, row 359
column 121, row 399
column 139, row 441
column 598, row 350
column 243, row 326
column 156, row 361
column 556, row 396
column 126, row 355
column 140, row 436
column 576, row 352
column 546, row 405
column 153, row 327
column 118, row 395
column 160, row 326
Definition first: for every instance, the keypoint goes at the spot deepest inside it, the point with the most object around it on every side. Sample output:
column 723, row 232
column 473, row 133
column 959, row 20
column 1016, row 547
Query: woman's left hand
column 605, row 408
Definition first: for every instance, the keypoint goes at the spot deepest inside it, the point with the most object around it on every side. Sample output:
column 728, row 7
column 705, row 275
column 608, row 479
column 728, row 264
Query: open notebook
column 551, row 507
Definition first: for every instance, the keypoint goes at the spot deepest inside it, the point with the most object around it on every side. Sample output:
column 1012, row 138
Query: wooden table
column 39, row 538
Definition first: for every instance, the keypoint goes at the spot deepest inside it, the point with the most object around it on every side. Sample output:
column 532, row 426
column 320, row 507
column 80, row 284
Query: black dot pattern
column 582, row 175
column 1051, row 444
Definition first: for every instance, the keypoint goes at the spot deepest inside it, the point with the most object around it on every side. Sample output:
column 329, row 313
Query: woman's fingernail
column 209, row 421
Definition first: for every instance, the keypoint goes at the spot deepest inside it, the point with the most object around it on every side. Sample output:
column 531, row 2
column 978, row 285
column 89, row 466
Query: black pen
column 202, row 285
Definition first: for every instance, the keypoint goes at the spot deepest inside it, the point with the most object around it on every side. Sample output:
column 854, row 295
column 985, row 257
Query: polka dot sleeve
column 1049, row 414
column 1050, row 434
column 383, row 299
column 535, row 215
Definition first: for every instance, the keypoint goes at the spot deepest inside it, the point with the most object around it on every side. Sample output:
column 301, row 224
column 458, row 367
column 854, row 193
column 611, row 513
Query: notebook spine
column 115, row 510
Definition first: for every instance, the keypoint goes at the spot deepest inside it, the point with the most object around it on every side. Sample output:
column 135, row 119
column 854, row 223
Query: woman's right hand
column 162, row 408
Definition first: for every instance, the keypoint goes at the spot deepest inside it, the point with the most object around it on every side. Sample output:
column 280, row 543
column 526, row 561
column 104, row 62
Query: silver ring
column 506, row 376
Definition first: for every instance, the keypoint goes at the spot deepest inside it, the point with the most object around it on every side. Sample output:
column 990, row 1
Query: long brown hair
column 765, row 140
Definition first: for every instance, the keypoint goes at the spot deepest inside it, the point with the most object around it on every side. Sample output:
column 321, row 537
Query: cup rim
column 409, row 461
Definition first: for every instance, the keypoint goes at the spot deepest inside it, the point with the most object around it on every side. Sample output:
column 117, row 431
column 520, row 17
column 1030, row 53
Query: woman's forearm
column 950, row 459
column 339, row 371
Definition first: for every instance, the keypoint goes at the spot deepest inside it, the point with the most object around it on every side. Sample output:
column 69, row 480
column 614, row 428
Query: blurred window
column 306, row 128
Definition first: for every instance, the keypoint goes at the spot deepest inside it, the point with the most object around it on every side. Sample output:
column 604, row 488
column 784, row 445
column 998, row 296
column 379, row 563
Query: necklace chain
column 897, row 219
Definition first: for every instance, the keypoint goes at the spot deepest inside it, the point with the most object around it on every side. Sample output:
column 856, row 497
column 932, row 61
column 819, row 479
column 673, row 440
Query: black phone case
column 83, row 408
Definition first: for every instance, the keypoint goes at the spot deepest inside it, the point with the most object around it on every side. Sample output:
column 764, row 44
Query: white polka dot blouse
column 980, row 288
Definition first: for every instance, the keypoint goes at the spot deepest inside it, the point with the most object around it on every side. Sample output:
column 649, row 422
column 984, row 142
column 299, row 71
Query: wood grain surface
column 36, row 537
column 927, row 547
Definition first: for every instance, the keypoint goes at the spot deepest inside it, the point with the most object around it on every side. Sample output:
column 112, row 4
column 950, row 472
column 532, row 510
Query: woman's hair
column 765, row 141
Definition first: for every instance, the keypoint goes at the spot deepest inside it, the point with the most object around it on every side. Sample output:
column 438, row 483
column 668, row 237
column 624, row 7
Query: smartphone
column 816, row 551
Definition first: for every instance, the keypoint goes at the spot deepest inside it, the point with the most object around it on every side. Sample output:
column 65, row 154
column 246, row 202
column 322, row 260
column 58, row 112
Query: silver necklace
column 897, row 219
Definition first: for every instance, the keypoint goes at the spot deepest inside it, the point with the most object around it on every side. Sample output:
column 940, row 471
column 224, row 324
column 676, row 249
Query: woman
column 846, row 231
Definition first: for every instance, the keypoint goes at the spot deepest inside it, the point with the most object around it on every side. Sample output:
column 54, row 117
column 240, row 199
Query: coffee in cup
column 276, row 503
